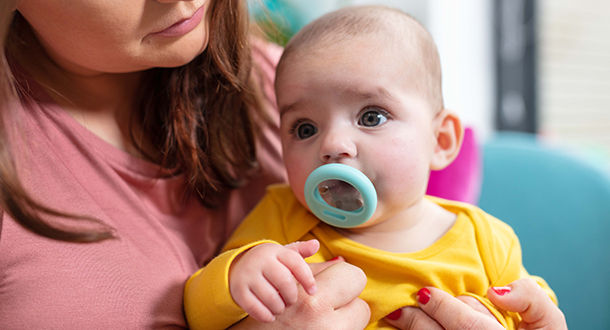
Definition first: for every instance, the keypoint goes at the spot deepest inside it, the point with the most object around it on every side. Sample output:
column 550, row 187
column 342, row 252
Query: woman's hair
column 199, row 117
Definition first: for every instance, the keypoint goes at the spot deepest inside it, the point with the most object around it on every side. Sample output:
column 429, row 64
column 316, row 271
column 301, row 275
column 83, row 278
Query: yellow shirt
column 479, row 251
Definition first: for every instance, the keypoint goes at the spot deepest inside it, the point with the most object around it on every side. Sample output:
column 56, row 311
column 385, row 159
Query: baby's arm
column 264, row 279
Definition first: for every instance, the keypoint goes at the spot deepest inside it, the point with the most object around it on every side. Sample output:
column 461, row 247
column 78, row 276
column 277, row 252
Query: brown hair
column 202, row 110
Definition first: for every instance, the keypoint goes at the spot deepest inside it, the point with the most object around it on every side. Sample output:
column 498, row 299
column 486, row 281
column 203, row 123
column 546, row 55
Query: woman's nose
column 336, row 146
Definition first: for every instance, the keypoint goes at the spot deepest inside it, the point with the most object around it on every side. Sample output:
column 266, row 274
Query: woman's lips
column 184, row 26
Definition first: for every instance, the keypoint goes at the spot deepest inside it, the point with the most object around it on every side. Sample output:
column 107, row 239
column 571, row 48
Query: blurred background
column 531, row 78
column 539, row 66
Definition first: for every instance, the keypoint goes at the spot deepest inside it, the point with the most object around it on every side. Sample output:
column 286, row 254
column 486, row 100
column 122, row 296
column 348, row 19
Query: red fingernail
column 395, row 315
column 501, row 290
column 335, row 258
column 423, row 296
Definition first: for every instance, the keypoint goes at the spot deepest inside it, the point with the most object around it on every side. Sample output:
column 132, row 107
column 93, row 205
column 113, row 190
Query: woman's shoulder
column 265, row 54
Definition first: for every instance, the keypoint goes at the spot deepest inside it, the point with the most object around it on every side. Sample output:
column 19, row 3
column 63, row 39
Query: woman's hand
column 527, row 298
column 439, row 310
column 335, row 305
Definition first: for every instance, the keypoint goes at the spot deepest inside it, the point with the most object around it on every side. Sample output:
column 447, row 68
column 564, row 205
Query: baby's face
column 358, row 104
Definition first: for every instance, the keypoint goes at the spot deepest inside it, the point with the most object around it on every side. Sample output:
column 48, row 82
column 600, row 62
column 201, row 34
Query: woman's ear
column 448, row 139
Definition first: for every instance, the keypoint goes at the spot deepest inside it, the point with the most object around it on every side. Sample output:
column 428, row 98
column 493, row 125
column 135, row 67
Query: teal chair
column 559, row 206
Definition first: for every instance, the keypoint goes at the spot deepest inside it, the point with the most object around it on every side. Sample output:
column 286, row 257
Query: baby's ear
column 448, row 137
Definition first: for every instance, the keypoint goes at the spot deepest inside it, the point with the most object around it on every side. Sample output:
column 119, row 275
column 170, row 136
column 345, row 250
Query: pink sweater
column 135, row 281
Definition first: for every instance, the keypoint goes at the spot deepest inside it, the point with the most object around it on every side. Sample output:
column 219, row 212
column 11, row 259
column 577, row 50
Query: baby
column 362, row 87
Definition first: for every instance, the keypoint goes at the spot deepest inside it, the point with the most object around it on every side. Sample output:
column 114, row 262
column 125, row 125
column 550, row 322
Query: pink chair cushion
column 461, row 180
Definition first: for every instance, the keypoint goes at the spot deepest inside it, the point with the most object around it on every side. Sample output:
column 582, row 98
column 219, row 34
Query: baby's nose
column 337, row 145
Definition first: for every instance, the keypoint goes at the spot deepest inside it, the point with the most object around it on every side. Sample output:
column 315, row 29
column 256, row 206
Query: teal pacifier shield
column 340, row 195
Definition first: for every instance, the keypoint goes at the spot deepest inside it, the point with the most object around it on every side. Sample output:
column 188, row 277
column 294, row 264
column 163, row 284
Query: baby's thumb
column 306, row 248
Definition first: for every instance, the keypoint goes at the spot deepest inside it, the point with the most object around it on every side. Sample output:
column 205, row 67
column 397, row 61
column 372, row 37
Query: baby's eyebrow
column 289, row 107
column 372, row 93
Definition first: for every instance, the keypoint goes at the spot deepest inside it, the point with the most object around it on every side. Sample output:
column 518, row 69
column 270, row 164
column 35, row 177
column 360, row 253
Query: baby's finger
column 268, row 295
column 300, row 270
column 255, row 308
column 306, row 248
column 283, row 281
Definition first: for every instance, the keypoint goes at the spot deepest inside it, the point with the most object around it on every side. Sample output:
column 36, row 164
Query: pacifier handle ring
column 330, row 214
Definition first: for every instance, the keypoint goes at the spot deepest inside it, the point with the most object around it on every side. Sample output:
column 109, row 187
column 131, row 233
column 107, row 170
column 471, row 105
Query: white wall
column 463, row 31
column 574, row 64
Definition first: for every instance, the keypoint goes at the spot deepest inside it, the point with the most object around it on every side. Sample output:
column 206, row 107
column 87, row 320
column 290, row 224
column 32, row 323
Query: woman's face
column 118, row 36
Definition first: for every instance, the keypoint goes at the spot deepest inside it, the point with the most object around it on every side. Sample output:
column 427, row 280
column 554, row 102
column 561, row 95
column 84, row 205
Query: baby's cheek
column 402, row 179
column 297, row 175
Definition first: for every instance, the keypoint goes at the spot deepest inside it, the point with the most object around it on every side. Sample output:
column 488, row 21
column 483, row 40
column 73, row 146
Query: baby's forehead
column 394, row 51
column 409, row 45
column 404, row 36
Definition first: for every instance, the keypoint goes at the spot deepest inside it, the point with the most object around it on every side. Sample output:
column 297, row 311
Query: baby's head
column 362, row 86
column 386, row 28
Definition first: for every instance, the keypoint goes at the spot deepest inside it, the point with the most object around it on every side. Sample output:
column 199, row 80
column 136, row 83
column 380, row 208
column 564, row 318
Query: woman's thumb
column 527, row 298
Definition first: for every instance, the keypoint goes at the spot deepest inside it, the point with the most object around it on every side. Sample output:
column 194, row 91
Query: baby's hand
column 264, row 279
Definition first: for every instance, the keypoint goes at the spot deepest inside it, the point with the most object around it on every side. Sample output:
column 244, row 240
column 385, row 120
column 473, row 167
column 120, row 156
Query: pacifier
column 340, row 195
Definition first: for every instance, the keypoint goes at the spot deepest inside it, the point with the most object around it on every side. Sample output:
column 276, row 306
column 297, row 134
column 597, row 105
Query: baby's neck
column 412, row 230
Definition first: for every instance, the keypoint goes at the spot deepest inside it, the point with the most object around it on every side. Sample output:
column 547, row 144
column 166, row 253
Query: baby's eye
column 305, row 130
column 373, row 117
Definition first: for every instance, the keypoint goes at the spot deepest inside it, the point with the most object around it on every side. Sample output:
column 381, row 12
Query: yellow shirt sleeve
column 207, row 299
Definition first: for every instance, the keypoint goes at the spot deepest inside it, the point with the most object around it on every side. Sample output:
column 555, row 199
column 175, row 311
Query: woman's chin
column 169, row 53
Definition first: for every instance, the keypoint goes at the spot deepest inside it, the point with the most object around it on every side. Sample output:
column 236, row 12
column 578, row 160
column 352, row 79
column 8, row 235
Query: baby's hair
column 395, row 26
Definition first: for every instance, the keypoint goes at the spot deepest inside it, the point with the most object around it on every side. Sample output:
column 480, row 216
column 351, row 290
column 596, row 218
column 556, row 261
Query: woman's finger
column 356, row 311
column 408, row 318
column 476, row 305
column 339, row 293
column 320, row 266
column 451, row 313
column 527, row 298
